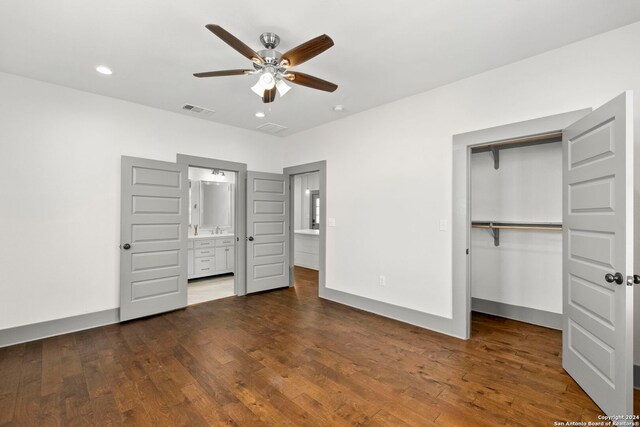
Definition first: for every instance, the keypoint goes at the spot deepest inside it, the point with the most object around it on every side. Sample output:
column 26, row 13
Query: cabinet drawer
column 205, row 262
column 206, row 252
column 202, row 269
column 204, row 243
column 225, row 242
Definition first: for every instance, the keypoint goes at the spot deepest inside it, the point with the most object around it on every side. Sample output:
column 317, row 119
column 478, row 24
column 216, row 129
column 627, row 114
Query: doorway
column 464, row 233
column 306, row 202
column 211, row 234
column 216, row 250
column 307, row 240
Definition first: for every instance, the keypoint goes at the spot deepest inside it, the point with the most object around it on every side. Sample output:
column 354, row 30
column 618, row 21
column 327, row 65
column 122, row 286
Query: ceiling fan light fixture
column 267, row 81
column 282, row 87
column 257, row 89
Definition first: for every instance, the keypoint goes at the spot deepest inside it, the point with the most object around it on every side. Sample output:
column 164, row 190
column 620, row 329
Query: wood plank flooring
column 287, row 358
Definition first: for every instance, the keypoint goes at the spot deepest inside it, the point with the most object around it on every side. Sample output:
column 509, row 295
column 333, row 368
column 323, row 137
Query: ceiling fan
column 273, row 66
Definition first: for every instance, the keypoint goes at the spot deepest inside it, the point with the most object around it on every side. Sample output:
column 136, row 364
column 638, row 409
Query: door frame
column 461, row 198
column 239, row 273
column 290, row 172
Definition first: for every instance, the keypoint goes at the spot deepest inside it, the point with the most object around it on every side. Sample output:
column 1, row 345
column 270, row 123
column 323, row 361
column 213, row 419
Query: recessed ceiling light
column 103, row 69
column 260, row 114
column 339, row 108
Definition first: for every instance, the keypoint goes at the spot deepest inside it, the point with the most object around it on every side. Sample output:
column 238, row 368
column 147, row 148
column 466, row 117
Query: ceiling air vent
column 272, row 128
column 197, row 110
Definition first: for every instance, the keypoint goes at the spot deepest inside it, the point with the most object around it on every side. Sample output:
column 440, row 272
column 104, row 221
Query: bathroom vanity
column 210, row 254
column 307, row 248
column 211, row 240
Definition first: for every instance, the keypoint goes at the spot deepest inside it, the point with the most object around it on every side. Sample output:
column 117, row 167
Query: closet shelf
column 495, row 147
column 494, row 227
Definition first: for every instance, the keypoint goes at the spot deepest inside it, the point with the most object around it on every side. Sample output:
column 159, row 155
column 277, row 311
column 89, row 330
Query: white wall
column 526, row 269
column 397, row 162
column 59, row 255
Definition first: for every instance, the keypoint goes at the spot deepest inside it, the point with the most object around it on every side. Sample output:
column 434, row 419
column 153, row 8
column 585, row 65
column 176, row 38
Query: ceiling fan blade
column 269, row 95
column 235, row 43
column 223, row 73
column 306, row 51
column 310, row 81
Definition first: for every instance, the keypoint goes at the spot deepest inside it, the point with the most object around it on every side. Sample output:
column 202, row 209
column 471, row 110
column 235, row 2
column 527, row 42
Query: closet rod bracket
column 495, row 232
column 495, row 152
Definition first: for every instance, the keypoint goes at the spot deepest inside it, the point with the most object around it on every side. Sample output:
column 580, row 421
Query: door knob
column 614, row 278
column 251, row 238
column 636, row 279
column 126, row 246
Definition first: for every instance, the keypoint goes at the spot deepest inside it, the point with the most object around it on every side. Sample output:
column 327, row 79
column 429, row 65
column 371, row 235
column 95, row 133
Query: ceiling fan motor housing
column 271, row 57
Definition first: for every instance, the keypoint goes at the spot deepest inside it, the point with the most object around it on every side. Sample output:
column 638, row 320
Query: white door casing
column 267, row 231
column 598, row 240
column 153, row 241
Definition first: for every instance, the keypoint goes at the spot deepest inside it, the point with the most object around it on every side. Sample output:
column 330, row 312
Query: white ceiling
column 383, row 50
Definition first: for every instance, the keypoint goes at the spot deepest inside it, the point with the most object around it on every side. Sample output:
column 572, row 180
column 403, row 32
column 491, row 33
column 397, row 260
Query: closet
column 516, row 234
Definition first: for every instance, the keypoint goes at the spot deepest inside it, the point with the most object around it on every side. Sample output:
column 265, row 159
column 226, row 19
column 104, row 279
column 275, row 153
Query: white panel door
column 267, row 231
column 597, row 334
column 153, row 228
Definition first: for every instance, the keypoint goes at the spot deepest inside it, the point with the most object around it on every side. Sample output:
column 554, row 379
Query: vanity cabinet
column 224, row 258
column 190, row 269
column 210, row 256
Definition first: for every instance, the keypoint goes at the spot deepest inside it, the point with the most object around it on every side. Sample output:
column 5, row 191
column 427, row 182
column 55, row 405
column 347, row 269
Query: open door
column 267, row 231
column 597, row 336
column 153, row 228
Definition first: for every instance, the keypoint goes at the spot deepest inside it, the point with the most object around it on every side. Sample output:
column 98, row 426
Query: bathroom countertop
column 210, row 236
column 308, row 232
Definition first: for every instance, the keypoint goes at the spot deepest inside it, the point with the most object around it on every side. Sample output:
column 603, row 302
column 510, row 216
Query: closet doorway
column 516, row 229
column 509, row 262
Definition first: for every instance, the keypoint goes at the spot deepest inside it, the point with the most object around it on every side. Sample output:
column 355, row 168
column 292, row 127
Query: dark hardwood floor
column 288, row 358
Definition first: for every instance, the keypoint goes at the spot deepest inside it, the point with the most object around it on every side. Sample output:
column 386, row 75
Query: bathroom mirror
column 216, row 200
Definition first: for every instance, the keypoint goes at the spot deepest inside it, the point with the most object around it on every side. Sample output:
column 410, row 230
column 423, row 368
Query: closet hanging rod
column 519, row 227
column 518, row 142
column 494, row 227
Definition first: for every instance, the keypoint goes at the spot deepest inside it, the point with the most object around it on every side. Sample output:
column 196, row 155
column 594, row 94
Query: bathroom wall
column 202, row 174
column 196, row 175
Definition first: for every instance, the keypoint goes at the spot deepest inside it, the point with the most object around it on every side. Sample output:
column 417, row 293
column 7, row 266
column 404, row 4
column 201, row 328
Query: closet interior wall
column 525, row 270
